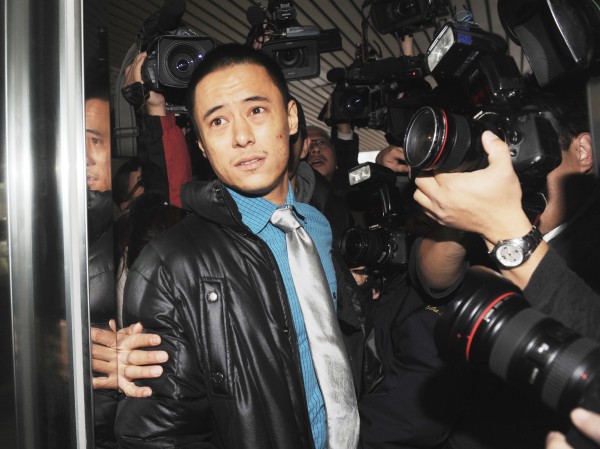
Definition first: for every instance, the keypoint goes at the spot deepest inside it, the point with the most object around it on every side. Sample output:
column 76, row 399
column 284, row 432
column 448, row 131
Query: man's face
column 97, row 144
column 321, row 156
column 244, row 130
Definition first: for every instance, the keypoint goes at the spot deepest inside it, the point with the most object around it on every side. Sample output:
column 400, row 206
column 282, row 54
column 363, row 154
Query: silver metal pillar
column 45, row 194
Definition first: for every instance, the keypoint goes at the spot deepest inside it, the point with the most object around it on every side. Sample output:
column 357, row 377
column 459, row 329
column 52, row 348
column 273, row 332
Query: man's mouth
column 316, row 161
column 250, row 163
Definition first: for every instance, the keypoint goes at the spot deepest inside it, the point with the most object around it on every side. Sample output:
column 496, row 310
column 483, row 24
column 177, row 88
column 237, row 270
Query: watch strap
column 527, row 244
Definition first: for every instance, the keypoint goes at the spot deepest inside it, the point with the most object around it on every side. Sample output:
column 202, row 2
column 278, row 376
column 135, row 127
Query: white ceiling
column 225, row 21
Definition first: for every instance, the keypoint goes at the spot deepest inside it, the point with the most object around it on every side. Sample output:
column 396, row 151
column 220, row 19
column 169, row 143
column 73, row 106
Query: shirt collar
column 256, row 211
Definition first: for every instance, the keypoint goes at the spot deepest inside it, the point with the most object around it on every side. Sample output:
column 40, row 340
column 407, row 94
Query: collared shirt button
column 212, row 296
column 286, row 330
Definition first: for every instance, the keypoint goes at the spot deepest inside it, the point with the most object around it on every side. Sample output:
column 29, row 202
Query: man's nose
column 242, row 133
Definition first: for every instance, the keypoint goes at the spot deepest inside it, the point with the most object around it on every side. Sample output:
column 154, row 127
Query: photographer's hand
column 487, row 202
column 587, row 422
column 393, row 158
column 155, row 104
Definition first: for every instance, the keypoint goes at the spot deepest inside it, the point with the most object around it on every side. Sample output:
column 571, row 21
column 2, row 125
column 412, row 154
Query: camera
column 172, row 59
column 490, row 326
column 406, row 16
column 296, row 48
column 364, row 91
column 382, row 247
column 479, row 88
column 173, row 52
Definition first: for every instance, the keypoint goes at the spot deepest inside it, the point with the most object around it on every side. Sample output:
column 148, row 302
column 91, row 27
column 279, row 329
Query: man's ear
column 585, row 154
column 201, row 146
column 292, row 111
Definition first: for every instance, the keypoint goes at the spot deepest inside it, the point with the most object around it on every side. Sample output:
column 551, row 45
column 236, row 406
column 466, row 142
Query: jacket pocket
column 215, row 341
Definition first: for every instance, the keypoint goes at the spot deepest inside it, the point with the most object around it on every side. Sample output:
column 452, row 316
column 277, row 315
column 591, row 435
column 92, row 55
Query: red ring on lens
column 445, row 118
column 482, row 315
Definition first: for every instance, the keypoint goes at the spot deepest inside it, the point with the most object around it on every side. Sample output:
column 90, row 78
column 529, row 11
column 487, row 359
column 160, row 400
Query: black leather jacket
column 212, row 291
column 102, row 303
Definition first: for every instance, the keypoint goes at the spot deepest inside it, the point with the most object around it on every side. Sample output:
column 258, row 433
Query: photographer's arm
column 487, row 202
column 163, row 151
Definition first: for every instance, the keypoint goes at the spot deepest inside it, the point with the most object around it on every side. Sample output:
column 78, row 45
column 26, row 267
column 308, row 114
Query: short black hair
column 567, row 101
column 229, row 55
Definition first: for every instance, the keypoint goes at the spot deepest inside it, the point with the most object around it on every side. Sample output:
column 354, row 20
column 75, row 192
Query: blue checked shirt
column 256, row 213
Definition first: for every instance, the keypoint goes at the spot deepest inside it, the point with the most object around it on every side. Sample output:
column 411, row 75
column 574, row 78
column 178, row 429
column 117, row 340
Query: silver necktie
column 324, row 336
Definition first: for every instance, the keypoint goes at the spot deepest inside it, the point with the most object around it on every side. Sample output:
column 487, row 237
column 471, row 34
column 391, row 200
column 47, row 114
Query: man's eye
column 217, row 122
column 257, row 110
column 95, row 141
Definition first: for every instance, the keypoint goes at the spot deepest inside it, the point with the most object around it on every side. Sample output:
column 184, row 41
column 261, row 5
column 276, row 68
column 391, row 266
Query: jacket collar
column 212, row 201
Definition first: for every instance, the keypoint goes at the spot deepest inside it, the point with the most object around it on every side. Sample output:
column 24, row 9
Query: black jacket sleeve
column 557, row 291
column 177, row 415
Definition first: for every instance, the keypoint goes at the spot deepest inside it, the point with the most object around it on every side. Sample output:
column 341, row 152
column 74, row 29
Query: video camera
column 383, row 246
column 364, row 91
column 488, row 325
column 174, row 51
column 296, row 48
column 479, row 88
column 406, row 16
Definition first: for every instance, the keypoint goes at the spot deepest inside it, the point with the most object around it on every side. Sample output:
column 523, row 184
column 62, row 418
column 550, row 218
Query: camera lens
column 183, row 65
column 353, row 103
column 290, row 58
column 363, row 247
column 403, row 8
column 425, row 137
column 436, row 139
column 182, row 60
column 490, row 326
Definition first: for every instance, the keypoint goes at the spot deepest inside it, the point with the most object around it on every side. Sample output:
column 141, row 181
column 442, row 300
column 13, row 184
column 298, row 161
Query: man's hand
column 487, row 201
column 392, row 157
column 104, row 357
column 587, row 422
column 137, row 364
column 155, row 104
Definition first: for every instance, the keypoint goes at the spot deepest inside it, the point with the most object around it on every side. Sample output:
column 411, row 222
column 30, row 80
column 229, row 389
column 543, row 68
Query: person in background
column 102, row 304
column 127, row 183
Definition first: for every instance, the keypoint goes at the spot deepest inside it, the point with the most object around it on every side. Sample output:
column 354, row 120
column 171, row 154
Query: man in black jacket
column 214, row 289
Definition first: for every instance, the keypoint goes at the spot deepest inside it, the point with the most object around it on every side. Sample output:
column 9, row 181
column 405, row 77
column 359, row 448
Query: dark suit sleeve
column 557, row 291
column 177, row 415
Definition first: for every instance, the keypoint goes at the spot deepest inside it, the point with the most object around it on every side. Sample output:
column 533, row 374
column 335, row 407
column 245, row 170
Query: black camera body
column 479, row 88
column 383, row 246
column 406, row 16
column 172, row 59
column 363, row 96
column 296, row 48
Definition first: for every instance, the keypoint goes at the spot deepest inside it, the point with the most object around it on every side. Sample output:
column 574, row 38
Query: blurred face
column 321, row 156
column 245, row 126
column 97, row 144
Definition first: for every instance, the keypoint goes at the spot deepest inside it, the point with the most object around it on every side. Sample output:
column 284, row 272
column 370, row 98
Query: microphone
column 169, row 16
column 255, row 15
column 163, row 21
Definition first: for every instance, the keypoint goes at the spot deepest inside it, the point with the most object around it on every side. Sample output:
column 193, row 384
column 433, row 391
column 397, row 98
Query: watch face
column 510, row 255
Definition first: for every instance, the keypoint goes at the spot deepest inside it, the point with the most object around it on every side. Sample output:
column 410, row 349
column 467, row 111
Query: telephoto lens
column 490, row 326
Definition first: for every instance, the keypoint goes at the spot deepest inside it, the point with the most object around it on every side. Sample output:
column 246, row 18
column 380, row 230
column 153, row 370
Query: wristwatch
column 514, row 252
